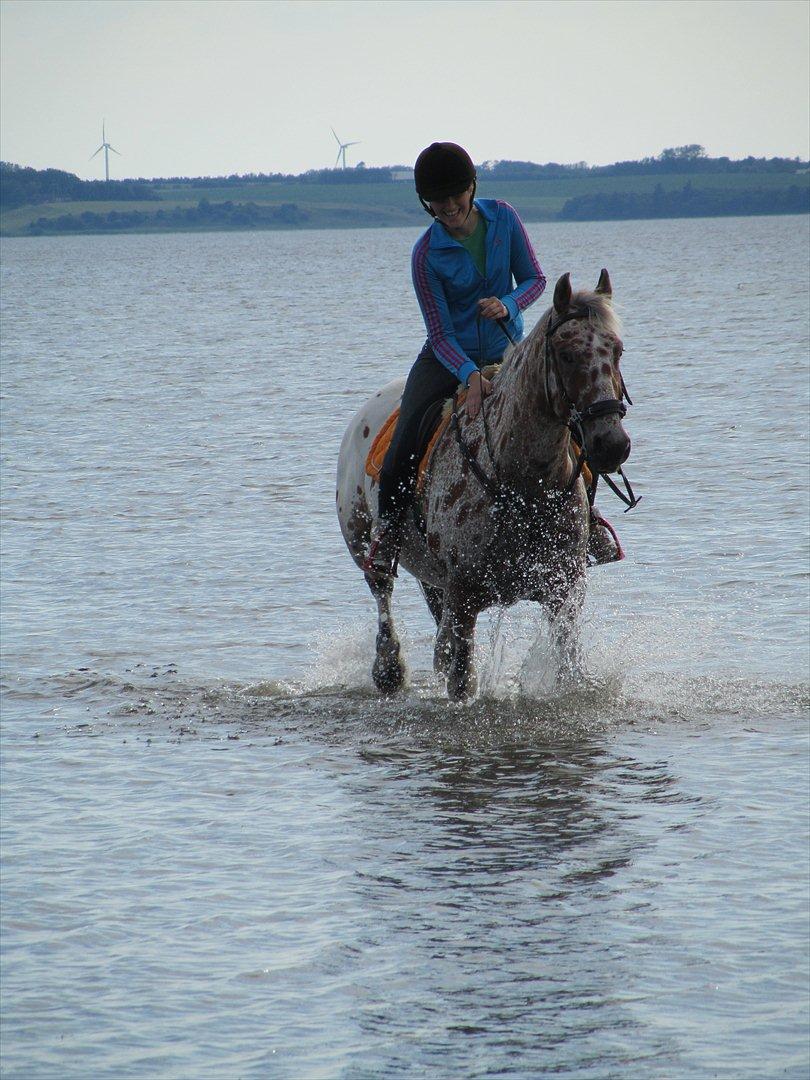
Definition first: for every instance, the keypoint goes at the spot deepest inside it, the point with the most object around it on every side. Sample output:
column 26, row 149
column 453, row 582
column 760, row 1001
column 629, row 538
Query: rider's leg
column 428, row 381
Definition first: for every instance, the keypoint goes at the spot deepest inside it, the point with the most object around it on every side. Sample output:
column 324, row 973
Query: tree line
column 675, row 159
column 24, row 186
column 20, row 186
column 687, row 202
column 205, row 215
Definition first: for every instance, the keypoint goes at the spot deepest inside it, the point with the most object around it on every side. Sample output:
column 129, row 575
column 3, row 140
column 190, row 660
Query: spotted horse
column 503, row 513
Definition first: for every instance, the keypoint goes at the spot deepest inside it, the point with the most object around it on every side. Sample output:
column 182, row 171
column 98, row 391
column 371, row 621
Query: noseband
column 577, row 417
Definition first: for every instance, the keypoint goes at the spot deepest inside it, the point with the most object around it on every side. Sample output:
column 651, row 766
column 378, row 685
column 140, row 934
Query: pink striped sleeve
column 531, row 281
column 436, row 314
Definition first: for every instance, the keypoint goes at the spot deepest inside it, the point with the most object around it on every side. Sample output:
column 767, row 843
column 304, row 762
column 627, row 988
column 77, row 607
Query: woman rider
column 473, row 267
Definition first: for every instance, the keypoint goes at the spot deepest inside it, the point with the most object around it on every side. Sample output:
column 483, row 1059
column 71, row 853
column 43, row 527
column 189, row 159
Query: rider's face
column 454, row 210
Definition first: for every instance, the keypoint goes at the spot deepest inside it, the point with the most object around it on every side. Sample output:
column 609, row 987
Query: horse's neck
column 533, row 443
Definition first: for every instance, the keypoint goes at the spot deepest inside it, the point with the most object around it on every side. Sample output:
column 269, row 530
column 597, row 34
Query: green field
column 356, row 205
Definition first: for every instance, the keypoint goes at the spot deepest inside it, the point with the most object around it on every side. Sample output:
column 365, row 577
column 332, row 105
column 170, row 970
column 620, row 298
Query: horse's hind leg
column 454, row 644
column 388, row 671
column 434, row 598
column 443, row 646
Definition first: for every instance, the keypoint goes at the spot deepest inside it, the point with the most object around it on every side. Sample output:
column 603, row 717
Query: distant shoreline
column 207, row 229
column 53, row 203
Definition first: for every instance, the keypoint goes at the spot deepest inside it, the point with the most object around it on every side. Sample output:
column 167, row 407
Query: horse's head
column 584, row 387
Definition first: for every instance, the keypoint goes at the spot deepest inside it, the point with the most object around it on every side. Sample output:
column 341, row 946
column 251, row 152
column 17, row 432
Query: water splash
column 636, row 668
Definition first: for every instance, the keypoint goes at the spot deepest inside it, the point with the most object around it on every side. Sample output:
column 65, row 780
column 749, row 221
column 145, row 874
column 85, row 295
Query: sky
column 214, row 87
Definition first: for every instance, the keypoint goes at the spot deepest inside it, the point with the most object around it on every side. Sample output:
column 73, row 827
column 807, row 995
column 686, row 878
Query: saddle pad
column 382, row 440
column 379, row 447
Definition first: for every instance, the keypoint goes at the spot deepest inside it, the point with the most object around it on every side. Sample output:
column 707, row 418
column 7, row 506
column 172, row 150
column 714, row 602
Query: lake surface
column 224, row 855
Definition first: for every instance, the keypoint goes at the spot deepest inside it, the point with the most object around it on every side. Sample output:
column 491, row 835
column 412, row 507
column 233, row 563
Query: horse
column 503, row 514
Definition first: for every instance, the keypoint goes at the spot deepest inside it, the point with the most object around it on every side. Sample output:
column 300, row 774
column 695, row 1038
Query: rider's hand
column 477, row 388
column 492, row 308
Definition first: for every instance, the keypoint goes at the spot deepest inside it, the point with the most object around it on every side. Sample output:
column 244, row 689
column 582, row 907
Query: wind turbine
column 342, row 151
column 105, row 146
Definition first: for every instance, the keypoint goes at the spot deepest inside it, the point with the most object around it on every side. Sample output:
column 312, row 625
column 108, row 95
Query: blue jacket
column 448, row 287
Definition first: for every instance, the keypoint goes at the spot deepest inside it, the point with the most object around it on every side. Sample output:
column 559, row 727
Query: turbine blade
column 335, row 134
column 352, row 143
column 116, row 151
column 97, row 152
column 337, row 159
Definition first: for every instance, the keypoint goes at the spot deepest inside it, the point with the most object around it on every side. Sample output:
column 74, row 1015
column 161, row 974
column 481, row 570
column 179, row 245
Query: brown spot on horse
column 358, row 529
column 454, row 493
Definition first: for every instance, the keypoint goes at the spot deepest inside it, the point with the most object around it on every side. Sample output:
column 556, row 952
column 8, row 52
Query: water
column 223, row 855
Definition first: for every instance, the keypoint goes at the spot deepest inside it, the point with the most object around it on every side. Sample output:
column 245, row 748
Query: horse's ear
column 562, row 294
column 604, row 285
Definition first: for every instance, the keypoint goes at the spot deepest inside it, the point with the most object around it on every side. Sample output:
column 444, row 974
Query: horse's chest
column 515, row 548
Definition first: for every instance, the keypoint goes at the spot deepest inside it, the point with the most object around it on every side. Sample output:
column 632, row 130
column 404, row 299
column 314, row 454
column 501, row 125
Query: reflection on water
column 375, row 888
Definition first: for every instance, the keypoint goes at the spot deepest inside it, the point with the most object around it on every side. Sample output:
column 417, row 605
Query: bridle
column 575, row 422
column 577, row 417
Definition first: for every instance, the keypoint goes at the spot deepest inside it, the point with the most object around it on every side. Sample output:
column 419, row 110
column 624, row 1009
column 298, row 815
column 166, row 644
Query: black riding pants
column 428, row 381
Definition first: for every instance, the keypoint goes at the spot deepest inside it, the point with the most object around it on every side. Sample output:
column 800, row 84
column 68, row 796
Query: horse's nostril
column 609, row 449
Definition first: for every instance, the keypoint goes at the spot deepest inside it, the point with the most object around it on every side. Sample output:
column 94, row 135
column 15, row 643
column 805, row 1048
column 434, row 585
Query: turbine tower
column 105, row 146
column 341, row 151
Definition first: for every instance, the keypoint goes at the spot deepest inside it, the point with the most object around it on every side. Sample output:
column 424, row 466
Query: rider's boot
column 383, row 552
column 604, row 545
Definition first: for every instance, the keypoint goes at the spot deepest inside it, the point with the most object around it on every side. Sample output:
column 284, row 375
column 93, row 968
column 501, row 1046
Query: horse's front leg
column 388, row 671
column 565, row 613
column 454, row 645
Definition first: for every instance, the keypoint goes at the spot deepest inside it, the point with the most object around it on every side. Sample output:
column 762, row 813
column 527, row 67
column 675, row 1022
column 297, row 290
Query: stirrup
column 597, row 521
column 375, row 567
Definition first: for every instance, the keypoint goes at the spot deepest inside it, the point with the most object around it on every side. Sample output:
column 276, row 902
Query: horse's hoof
column 462, row 689
column 388, row 673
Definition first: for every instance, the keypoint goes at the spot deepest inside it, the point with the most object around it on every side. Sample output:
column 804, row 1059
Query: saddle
column 434, row 423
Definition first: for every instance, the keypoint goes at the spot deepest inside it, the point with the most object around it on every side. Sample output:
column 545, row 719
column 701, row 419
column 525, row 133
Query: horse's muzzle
column 608, row 449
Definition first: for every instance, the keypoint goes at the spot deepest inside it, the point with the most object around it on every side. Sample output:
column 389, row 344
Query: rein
column 575, row 421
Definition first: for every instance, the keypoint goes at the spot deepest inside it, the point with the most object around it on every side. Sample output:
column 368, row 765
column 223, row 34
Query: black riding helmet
column 442, row 169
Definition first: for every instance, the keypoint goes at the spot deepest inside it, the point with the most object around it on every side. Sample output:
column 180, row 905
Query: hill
column 680, row 182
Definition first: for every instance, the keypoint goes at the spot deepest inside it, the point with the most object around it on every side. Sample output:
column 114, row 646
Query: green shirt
column 476, row 244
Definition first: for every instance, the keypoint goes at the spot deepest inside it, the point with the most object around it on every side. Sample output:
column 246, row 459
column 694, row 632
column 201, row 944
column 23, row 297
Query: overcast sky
column 212, row 87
